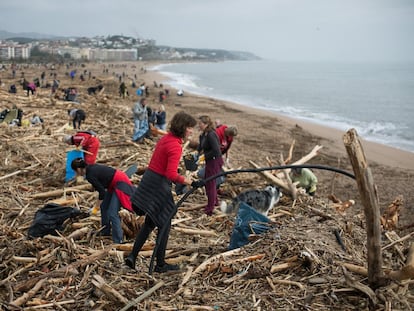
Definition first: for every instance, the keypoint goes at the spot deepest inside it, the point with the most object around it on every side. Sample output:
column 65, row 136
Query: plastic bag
column 50, row 218
column 248, row 221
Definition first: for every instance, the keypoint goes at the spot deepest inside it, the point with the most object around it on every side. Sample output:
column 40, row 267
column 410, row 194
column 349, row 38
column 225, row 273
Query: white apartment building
column 74, row 52
column 100, row 54
column 14, row 51
column 114, row 54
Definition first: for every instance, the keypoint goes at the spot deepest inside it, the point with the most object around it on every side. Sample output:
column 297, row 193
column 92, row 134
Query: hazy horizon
column 299, row 30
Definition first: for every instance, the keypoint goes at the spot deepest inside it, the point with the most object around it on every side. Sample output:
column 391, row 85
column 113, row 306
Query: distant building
column 100, row 54
column 74, row 52
column 22, row 51
column 114, row 54
column 13, row 51
column 5, row 51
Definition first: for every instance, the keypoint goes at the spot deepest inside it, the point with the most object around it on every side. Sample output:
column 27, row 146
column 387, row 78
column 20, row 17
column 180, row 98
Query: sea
column 377, row 99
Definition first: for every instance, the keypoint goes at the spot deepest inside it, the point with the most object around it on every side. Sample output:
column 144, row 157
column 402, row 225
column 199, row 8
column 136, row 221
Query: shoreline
column 374, row 152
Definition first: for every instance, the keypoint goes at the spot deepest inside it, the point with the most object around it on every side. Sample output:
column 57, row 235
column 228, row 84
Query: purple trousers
column 213, row 167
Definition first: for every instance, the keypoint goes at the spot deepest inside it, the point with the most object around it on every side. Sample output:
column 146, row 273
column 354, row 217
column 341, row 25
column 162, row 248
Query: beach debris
column 296, row 264
column 389, row 219
column 340, row 206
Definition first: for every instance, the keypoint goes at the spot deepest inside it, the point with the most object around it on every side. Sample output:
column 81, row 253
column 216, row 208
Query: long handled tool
column 248, row 170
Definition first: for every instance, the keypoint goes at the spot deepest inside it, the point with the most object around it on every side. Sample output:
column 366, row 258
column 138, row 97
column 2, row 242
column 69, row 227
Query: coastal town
column 109, row 48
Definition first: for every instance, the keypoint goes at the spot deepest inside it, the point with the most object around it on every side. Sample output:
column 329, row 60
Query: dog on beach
column 261, row 200
column 93, row 89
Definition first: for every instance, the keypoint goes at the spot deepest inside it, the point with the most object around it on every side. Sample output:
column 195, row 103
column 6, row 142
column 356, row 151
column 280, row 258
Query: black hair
column 297, row 170
column 78, row 163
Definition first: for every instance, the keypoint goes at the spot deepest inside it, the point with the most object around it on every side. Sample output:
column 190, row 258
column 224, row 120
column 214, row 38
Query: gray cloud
column 280, row 29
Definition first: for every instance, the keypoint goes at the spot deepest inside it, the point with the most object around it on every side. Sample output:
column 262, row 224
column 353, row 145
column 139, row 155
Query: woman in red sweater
column 153, row 196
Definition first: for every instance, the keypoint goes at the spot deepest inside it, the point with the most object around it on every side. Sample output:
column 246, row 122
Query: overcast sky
column 277, row 29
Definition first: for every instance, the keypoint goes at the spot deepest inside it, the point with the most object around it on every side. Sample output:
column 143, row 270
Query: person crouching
column 115, row 190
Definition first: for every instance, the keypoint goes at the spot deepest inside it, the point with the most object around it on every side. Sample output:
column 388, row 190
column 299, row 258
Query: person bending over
column 114, row 188
column 88, row 141
column 226, row 135
column 307, row 180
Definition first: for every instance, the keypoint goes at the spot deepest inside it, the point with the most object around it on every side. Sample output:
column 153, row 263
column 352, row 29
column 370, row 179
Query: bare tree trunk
column 369, row 197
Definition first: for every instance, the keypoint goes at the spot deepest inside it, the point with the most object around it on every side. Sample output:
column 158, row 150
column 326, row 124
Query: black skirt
column 153, row 197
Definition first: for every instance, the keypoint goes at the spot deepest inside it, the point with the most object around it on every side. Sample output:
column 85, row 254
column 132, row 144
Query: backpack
column 50, row 219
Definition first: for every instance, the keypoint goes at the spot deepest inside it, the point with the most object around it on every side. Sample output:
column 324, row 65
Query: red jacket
column 225, row 141
column 89, row 143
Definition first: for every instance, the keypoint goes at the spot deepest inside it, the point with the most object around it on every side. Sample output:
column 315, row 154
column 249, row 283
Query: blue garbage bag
column 248, row 221
column 70, row 156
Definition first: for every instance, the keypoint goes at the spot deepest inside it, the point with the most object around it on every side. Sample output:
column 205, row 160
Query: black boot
column 166, row 267
column 139, row 242
column 130, row 261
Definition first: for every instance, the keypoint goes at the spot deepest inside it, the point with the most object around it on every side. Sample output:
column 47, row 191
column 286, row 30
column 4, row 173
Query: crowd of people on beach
column 153, row 197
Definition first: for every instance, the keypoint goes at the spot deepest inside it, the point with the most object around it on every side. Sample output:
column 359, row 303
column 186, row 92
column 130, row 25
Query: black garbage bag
column 50, row 218
column 191, row 162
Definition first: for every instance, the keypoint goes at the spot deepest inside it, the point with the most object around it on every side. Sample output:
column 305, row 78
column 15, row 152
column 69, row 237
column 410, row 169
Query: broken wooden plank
column 273, row 179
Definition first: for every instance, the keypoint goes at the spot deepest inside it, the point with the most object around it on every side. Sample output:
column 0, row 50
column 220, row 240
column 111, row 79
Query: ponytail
column 78, row 163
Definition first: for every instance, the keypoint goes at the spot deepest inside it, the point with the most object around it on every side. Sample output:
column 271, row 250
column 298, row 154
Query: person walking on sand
column 153, row 197
column 76, row 116
column 123, row 90
column 141, row 125
column 305, row 178
column 88, row 141
column 209, row 145
column 114, row 188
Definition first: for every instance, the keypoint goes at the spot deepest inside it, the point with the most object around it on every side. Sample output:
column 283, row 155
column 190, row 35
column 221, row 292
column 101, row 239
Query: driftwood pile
column 313, row 257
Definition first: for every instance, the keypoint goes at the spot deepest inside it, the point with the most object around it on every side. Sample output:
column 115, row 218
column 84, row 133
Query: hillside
column 147, row 49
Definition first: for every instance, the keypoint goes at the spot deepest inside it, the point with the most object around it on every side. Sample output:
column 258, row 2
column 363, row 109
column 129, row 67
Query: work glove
column 197, row 183
column 94, row 210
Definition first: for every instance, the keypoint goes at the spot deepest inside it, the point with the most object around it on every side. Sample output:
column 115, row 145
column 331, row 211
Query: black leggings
column 161, row 240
